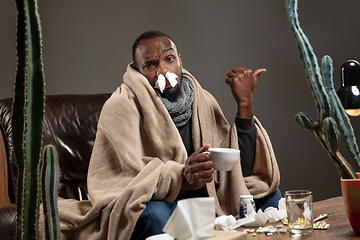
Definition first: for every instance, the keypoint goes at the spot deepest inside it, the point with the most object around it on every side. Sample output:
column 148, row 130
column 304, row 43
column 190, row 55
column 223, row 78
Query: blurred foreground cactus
column 50, row 183
column 27, row 123
column 332, row 121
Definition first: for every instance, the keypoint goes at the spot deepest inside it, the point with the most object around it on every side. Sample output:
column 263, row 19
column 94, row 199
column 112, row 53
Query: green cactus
column 50, row 182
column 305, row 121
column 340, row 115
column 332, row 118
column 27, row 118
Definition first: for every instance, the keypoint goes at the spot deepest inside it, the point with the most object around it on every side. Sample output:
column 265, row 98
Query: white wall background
column 87, row 45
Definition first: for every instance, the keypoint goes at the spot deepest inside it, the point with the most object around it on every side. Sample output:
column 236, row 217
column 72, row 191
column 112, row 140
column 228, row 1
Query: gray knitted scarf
column 180, row 109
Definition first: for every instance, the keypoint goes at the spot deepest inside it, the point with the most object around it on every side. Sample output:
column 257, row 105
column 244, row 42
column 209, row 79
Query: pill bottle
column 245, row 201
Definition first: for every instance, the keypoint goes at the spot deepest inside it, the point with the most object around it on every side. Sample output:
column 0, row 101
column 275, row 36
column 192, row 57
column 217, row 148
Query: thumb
column 205, row 148
column 202, row 149
column 257, row 73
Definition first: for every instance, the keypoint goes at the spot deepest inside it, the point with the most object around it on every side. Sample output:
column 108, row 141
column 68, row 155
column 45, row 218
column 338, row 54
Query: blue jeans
column 157, row 213
column 153, row 219
column 270, row 200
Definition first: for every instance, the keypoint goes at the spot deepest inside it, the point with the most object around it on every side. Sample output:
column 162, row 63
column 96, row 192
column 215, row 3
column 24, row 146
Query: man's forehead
column 156, row 45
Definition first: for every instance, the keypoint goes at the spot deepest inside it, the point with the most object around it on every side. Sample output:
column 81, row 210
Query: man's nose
column 162, row 69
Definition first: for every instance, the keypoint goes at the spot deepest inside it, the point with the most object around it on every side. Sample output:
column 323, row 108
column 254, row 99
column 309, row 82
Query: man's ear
column 180, row 60
column 134, row 66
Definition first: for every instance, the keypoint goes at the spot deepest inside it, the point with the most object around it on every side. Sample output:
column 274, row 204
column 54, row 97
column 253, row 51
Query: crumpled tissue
column 161, row 83
column 171, row 77
column 192, row 219
column 224, row 222
column 253, row 219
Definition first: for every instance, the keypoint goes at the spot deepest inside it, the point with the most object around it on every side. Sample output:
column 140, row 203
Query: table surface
column 340, row 227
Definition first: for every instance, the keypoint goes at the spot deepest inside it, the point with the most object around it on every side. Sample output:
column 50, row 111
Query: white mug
column 224, row 159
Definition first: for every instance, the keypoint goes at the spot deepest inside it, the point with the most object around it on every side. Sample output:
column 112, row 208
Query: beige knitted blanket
column 139, row 155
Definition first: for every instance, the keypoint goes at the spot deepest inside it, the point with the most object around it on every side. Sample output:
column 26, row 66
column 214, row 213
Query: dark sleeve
column 246, row 132
column 186, row 135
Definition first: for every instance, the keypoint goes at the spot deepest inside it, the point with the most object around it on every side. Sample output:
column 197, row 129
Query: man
column 148, row 149
column 154, row 53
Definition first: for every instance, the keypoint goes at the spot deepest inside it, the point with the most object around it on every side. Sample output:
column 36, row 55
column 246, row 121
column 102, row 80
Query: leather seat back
column 70, row 124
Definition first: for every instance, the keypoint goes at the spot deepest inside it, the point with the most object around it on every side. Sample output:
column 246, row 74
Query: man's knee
column 152, row 220
column 156, row 212
column 271, row 200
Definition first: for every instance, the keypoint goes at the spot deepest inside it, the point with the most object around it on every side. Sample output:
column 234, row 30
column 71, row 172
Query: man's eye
column 150, row 65
column 170, row 59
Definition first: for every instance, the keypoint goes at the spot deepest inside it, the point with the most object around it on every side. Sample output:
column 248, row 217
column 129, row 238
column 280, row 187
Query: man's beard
column 172, row 94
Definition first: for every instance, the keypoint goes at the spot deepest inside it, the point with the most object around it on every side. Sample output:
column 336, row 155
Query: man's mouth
column 169, row 88
column 168, row 85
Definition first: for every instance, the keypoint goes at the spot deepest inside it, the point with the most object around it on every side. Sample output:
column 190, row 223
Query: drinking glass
column 299, row 211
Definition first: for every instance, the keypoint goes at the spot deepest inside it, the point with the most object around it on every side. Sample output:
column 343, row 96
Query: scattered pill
column 321, row 225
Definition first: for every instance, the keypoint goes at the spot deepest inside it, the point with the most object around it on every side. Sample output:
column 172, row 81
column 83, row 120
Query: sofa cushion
column 8, row 221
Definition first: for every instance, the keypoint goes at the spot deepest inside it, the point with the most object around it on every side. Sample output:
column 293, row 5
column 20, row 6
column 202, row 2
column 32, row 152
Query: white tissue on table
column 253, row 219
column 192, row 219
column 160, row 83
column 171, row 77
column 224, row 222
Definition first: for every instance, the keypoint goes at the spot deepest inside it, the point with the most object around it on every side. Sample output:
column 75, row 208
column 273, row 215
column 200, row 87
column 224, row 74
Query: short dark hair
column 148, row 35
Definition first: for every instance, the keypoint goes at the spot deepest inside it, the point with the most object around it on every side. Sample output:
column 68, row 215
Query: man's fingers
column 207, row 173
column 204, row 174
column 200, row 179
column 199, row 159
column 200, row 165
column 238, row 69
column 229, row 81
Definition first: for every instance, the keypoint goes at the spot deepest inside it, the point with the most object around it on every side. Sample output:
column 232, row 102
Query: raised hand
column 242, row 82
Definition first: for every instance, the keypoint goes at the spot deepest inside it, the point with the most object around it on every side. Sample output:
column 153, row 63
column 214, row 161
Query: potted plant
column 333, row 122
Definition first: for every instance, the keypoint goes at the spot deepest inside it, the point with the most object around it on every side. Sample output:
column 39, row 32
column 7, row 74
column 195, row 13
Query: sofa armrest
column 4, row 181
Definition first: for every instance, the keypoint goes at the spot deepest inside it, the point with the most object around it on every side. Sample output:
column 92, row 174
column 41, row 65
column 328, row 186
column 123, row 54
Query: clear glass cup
column 299, row 211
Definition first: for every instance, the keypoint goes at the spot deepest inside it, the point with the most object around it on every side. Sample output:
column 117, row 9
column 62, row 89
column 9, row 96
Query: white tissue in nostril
column 160, row 83
column 171, row 77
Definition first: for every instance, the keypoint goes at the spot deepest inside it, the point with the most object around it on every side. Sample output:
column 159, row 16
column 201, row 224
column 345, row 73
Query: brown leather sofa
column 70, row 124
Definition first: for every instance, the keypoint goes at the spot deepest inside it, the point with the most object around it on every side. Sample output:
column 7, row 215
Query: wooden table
column 340, row 227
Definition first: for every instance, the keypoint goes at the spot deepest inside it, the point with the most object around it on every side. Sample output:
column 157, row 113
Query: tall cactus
column 333, row 121
column 27, row 117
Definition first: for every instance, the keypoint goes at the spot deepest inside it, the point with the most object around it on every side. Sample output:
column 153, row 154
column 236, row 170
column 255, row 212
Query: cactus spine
column 333, row 121
column 27, row 117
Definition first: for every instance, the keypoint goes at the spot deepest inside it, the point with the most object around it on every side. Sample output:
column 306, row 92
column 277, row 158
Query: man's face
column 158, row 56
